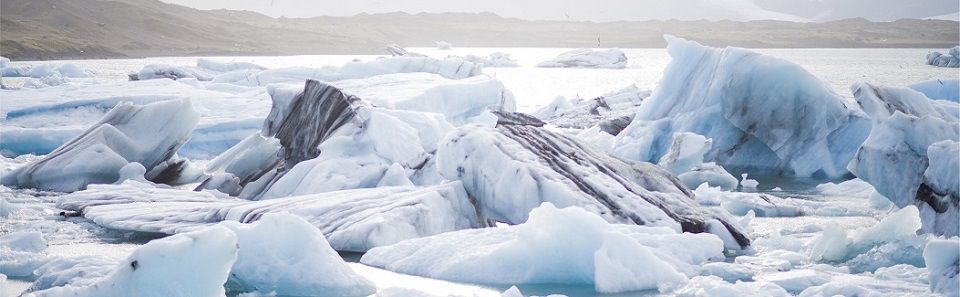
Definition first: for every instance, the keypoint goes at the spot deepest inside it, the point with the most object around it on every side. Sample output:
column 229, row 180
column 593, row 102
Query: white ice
column 148, row 134
column 942, row 89
column 758, row 123
column 588, row 58
column 949, row 59
column 569, row 246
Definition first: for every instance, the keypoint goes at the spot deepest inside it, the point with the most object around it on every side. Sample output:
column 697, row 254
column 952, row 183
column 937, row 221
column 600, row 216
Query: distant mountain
column 58, row 29
column 874, row 10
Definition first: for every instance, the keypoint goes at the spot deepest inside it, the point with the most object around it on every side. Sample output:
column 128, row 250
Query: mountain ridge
column 67, row 29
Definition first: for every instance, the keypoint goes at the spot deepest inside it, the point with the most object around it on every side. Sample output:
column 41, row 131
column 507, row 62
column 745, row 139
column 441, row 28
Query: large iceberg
column 942, row 89
column 352, row 220
column 948, row 59
column 150, row 135
column 62, row 70
column 588, row 58
column 907, row 128
column 513, row 168
column 566, row 246
column 764, row 114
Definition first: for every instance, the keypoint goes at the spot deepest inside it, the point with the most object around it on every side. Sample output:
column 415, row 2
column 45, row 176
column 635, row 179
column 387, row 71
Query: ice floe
column 758, row 124
column 685, row 160
column 495, row 60
column 21, row 253
column 588, row 58
column 155, row 71
column 942, row 259
column 568, row 245
column 352, row 220
column 452, row 68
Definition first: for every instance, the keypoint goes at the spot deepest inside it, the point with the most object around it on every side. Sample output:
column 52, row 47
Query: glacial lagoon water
column 533, row 88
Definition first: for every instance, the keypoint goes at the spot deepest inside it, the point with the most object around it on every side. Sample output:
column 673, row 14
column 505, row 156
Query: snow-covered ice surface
column 784, row 224
column 588, row 58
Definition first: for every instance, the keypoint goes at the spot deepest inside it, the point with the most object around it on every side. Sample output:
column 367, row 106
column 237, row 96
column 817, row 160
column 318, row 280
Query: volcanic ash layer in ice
column 280, row 253
column 588, row 58
column 612, row 111
column 150, row 135
column 763, row 113
column 352, row 220
column 512, row 169
column 948, row 59
column 556, row 246
column 910, row 156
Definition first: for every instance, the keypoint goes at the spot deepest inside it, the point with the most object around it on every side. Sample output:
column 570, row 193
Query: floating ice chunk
column 588, row 58
column 512, row 169
column 942, row 258
column 748, row 183
column 865, row 285
column 495, row 59
column 737, row 203
column 155, row 71
column 852, row 188
column 796, row 280
column 452, row 68
column 21, row 253
column 242, row 163
column 898, row 229
column 612, row 111
column 758, row 124
column 712, row 286
column 227, row 66
column 685, row 153
column 191, row 264
column 948, row 59
column 61, row 70
column 367, row 217
column 942, row 89
column 443, row 45
column 711, row 174
column 75, row 271
column 541, row 251
column 895, row 156
column 149, row 135
column 396, row 50
column 354, row 152
column 283, row 253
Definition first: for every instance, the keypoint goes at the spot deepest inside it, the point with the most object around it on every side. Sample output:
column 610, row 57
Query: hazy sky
column 607, row 10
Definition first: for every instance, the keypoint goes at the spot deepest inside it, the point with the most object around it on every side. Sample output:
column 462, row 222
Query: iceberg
column 451, row 68
column 396, row 50
column 286, row 255
column 712, row 286
column 217, row 66
column 22, row 252
column 612, row 111
column 156, row 71
column 943, row 263
column 192, row 264
column 891, row 241
column 352, row 220
column 588, row 58
column 443, row 45
column 61, row 70
column 495, row 60
column 948, row 59
column 567, row 246
column 685, row 160
column 150, row 135
column 758, row 123
column 896, row 155
column 511, row 169
column 940, row 89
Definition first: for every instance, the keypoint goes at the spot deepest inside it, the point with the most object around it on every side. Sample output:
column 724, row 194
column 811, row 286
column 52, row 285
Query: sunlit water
column 532, row 87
